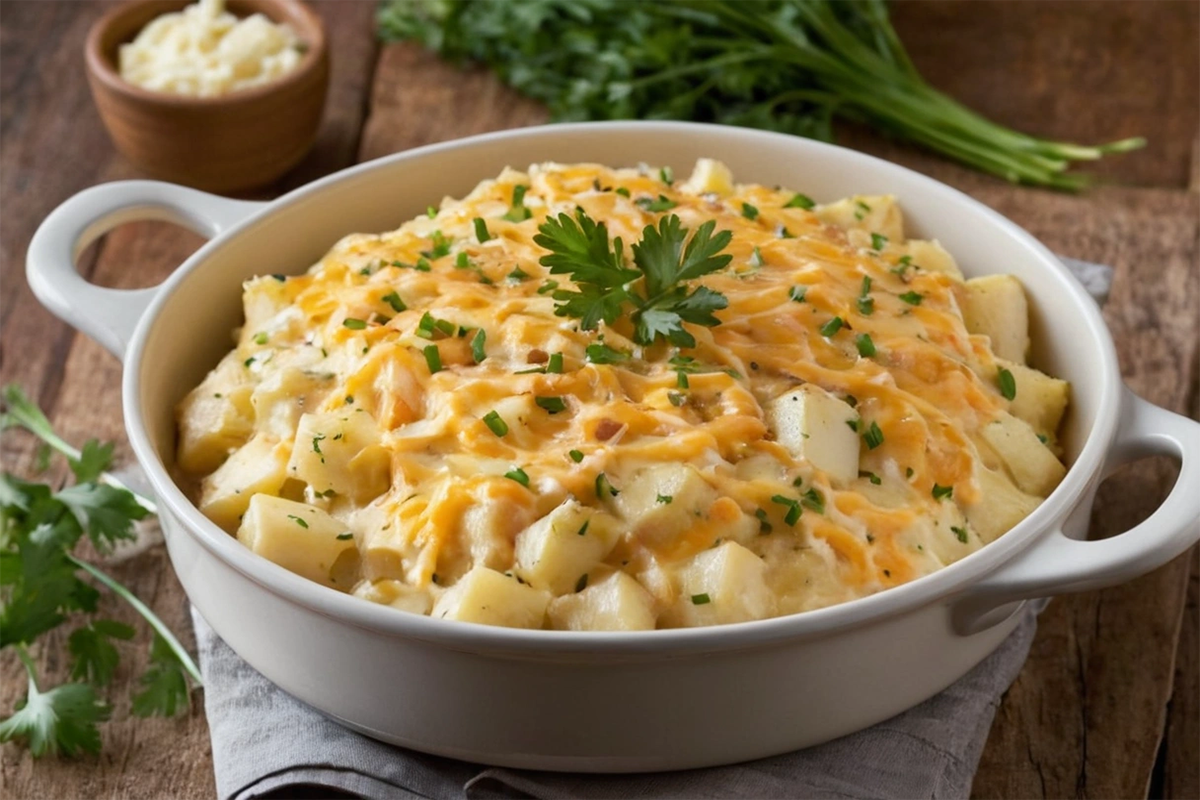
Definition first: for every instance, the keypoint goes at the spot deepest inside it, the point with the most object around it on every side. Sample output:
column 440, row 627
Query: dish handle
column 110, row 316
column 1056, row 564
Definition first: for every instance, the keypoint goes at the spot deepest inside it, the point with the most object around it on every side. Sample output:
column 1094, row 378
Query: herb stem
column 159, row 627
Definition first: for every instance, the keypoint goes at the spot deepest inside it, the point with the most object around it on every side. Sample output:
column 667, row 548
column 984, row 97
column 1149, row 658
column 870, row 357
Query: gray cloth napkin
column 265, row 741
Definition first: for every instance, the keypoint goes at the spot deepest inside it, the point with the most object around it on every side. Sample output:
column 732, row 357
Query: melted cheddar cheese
column 411, row 421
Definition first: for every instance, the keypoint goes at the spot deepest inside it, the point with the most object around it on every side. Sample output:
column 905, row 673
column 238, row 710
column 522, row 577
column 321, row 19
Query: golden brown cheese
column 839, row 432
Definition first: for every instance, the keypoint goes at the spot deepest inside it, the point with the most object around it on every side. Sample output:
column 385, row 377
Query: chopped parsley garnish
column 749, row 212
column 581, row 584
column 552, row 404
column 354, row 324
column 429, row 326
column 481, row 230
column 519, row 475
column 555, row 365
column 441, row 246
column 676, row 399
column 878, row 241
column 462, row 260
column 829, row 329
column 866, row 304
column 793, row 508
column 621, row 190
column 423, row 264
column 912, row 298
column 316, row 444
column 299, row 521
column 814, row 499
column 433, row 358
column 866, row 347
column 700, row 599
column 662, row 203
column 862, row 209
column 1008, row 384
column 547, row 287
column 874, row 436
column 797, row 293
column 872, row 477
column 665, row 499
column 603, row 354
column 667, row 175
column 960, row 533
column 581, row 248
column 942, row 492
column 604, row 488
column 477, row 346
column 495, row 423
column 764, row 527
column 260, row 338
column 342, row 537
column 393, row 300
column 681, row 379
column 903, row 265
column 575, row 455
column 518, row 212
column 800, row 201
column 518, row 275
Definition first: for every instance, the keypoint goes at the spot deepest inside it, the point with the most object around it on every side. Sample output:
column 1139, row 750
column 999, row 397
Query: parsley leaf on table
column 61, row 720
column 165, row 684
column 95, row 657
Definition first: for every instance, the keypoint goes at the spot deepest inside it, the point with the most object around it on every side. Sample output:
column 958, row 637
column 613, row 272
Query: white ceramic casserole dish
column 606, row 702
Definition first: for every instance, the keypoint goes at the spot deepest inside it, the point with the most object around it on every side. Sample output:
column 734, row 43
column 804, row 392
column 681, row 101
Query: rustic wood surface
column 1108, row 704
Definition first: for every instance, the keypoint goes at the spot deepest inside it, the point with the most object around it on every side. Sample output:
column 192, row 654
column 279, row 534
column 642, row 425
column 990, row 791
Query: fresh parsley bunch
column 43, row 586
column 784, row 65
column 662, row 301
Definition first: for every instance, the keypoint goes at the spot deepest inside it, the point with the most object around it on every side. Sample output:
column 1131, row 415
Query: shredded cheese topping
column 455, row 447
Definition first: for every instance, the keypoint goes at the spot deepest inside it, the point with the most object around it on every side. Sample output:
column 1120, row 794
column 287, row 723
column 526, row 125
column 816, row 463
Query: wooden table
column 1108, row 703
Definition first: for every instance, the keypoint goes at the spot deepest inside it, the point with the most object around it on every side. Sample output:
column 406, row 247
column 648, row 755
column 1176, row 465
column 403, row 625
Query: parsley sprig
column 657, row 290
column 44, row 586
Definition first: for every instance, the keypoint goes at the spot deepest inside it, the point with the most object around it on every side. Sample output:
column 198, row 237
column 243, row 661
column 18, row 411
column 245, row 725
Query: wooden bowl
column 221, row 144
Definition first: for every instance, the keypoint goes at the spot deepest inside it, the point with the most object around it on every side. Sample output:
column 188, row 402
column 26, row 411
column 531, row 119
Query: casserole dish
column 654, row 700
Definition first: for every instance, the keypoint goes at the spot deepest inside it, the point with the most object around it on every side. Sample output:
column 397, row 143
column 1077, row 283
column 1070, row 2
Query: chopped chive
column 676, row 399
column 462, row 260
column 665, row 499
column 663, row 203
column 583, row 528
column 354, row 324
column 800, row 201
column 430, row 212
column 604, row 488
column 874, row 436
column 495, row 423
column 481, row 230
column 872, row 477
column 423, row 264
column 433, row 359
column 1008, row 384
column 749, row 212
column 681, row 379
column 878, row 241
column 393, row 300
column 756, row 259
column 764, row 527
column 621, row 190
column 552, row 404
column 518, row 275
column 297, row 520
column 862, row 209
column 866, row 306
column 700, row 599
column 796, row 293
column 815, row 500
column 829, row 329
column 260, row 338
column 866, row 347
column 477, row 350
column 547, row 287
column 519, row 475
column 942, row 492
column 866, row 286
column 667, row 174
column 518, row 212
column 853, row 424
column 912, row 298
column 581, row 584
column 316, row 443
column 793, row 506
column 575, row 455
column 961, row 533
column 342, row 537
column 555, row 365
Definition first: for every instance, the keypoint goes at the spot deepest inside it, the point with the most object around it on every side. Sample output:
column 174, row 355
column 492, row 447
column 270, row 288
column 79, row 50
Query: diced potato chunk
column 296, row 536
column 1001, row 505
column 812, row 424
column 212, row 424
column 259, row 466
column 617, row 603
column 557, row 550
column 870, row 213
column 340, row 452
column 709, row 176
column 397, row 594
column 263, row 298
column 1035, row 469
column 663, row 501
column 493, row 598
column 721, row 585
column 930, row 255
column 283, row 396
column 1040, row 399
column 995, row 306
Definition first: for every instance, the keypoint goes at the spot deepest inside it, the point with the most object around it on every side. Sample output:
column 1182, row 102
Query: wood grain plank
column 1086, row 715
column 1181, row 747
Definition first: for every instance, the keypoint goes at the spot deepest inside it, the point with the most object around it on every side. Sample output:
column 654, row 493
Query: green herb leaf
column 519, row 475
column 603, row 354
column 866, row 347
column 942, row 492
column 749, row 211
column 797, row 294
column 878, row 241
column 478, row 353
column 873, row 436
column 495, row 423
column 701, row 599
column 518, row 212
column 433, row 359
column 63, row 720
column 94, row 658
column 555, row 365
column 960, row 533
column 656, row 205
column 164, row 684
column 604, row 488
column 912, row 298
column 552, row 405
column 800, row 201
column 1007, row 383
column 481, row 230
column 393, row 300
column 830, row 328
column 575, row 455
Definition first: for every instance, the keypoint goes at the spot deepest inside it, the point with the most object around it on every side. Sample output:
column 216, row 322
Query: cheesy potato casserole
column 602, row 399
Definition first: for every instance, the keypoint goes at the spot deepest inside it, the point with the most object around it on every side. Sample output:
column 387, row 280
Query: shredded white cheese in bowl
column 205, row 51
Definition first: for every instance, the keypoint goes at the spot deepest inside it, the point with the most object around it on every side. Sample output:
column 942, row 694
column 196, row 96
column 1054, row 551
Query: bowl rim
column 105, row 71
column 473, row 637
